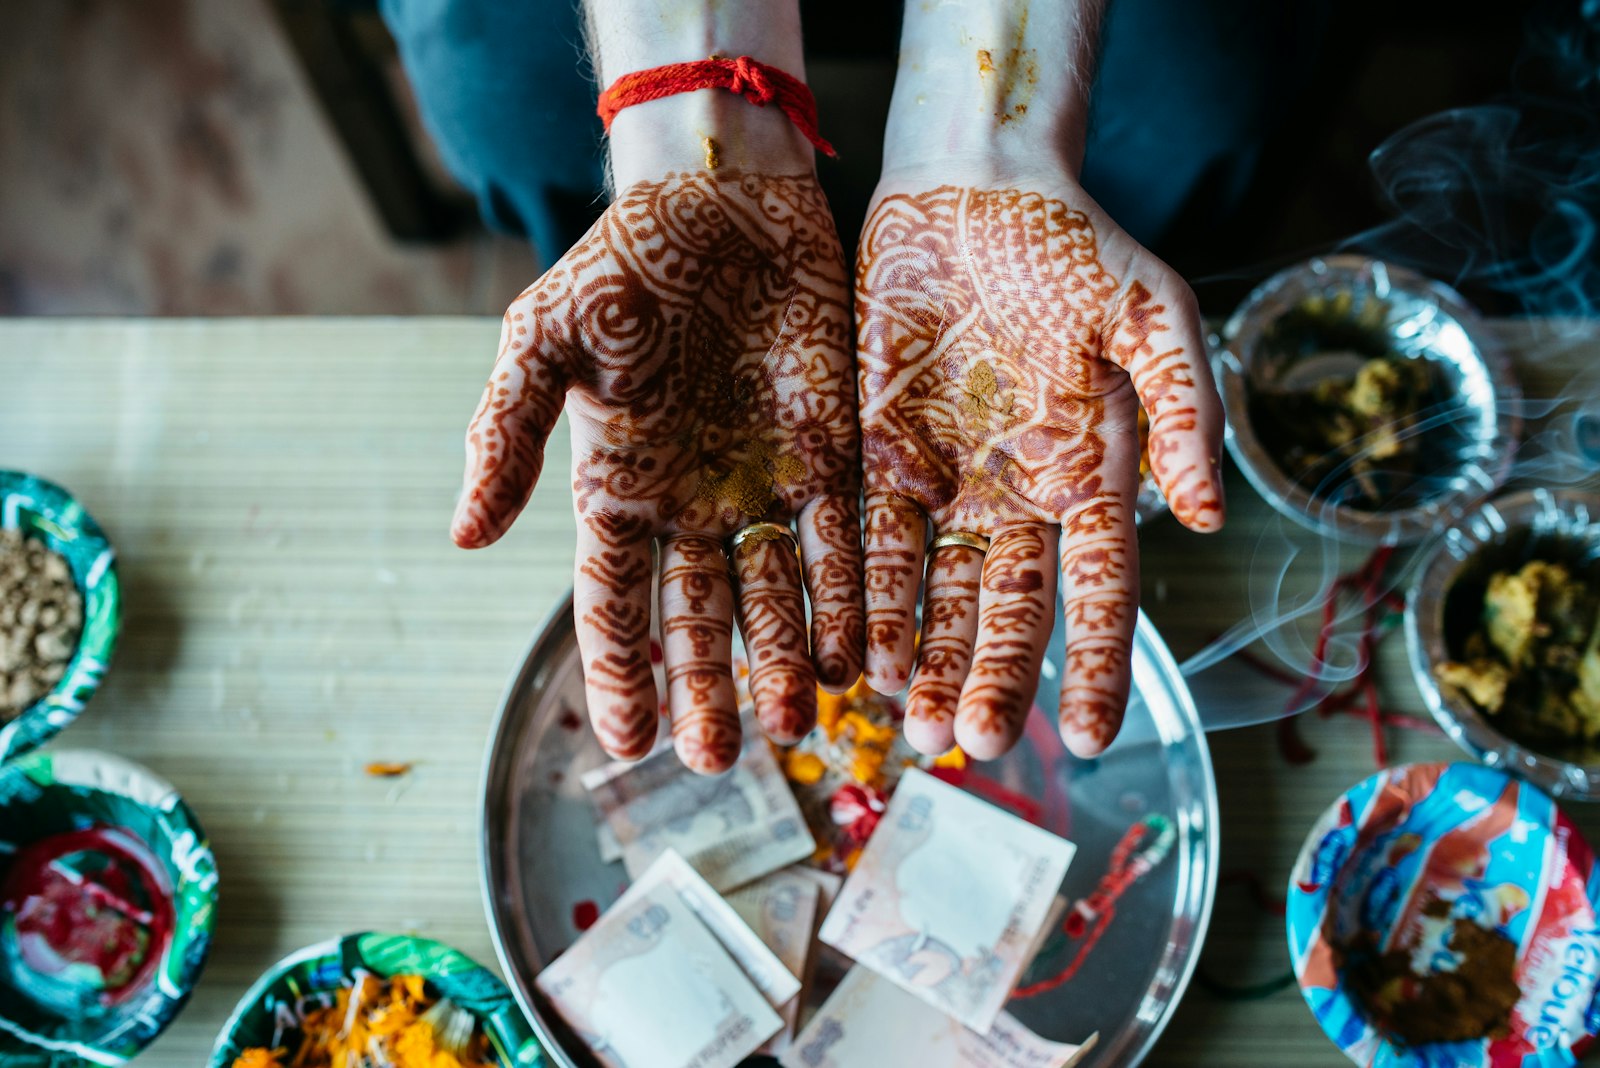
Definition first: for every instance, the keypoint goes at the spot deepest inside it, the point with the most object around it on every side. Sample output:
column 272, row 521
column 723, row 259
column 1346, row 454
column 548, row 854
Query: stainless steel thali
column 541, row 861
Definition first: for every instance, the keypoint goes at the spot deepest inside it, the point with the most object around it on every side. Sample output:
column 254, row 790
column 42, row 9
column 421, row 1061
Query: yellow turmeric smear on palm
column 749, row 484
column 980, row 398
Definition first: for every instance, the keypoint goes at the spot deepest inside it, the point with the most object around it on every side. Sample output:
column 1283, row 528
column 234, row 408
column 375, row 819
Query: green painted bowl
column 47, row 512
column 52, row 1017
column 305, row 981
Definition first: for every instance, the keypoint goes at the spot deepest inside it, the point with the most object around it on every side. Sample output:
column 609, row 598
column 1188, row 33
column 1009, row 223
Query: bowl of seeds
column 59, row 610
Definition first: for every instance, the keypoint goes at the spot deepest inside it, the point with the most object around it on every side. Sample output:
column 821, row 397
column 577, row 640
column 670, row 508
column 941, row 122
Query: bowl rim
column 187, row 849
column 1400, row 526
column 98, row 584
column 1439, row 562
column 507, row 1025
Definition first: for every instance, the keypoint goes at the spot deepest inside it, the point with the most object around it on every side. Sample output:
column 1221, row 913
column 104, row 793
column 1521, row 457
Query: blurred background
column 265, row 157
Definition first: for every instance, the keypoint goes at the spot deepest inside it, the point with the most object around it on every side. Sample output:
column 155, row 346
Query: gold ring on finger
column 756, row 533
column 959, row 537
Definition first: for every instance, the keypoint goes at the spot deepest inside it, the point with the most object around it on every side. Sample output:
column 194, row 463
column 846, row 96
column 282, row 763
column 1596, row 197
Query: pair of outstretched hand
column 700, row 339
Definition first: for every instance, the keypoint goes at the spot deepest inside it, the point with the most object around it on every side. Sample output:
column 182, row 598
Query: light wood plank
column 279, row 492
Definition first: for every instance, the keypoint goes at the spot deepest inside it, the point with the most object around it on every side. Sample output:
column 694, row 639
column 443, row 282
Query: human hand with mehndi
column 699, row 339
column 1007, row 332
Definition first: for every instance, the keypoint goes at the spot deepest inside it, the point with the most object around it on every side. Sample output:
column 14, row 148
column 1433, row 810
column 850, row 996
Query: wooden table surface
column 279, row 492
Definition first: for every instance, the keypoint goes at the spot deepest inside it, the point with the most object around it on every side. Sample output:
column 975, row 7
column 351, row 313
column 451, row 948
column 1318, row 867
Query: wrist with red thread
column 757, row 82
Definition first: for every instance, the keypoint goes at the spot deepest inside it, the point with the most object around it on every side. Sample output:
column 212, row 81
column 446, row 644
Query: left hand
column 1007, row 331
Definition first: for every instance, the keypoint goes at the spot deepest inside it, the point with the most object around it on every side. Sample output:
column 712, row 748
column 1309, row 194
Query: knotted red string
column 755, row 81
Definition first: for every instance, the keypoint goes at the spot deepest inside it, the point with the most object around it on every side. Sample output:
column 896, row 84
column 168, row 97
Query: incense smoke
column 1500, row 201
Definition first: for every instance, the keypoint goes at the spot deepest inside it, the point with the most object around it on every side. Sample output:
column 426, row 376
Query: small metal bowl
column 1443, row 608
column 45, row 511
column 1305, row 325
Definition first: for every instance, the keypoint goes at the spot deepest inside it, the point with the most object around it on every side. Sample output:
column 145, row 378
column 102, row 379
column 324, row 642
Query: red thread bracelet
column 756, row 82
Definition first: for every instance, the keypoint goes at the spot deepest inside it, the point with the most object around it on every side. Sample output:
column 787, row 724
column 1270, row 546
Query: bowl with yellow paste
column 1503, row 635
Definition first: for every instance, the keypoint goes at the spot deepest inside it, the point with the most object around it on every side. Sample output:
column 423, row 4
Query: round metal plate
column 541, row 859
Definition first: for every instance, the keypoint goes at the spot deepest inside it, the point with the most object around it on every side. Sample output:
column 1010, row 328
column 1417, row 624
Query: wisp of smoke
column 1501, row 201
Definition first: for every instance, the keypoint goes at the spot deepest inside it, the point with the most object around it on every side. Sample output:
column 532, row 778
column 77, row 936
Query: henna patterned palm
column 700, row 339
column 1005, row 341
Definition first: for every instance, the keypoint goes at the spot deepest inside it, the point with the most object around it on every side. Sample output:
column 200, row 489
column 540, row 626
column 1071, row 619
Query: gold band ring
column 756, row 533
column 959, row 537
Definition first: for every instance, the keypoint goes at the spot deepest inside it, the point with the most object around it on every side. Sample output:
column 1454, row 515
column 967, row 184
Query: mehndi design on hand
column 700, row 338
column 1003, row 349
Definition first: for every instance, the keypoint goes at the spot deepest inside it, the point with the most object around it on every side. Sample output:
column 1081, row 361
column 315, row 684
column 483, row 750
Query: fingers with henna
column 1158, row 341
column 830, row 543
column 611, row 603
column 1100, row 583
column 772, row 618
column 1016, row 612
column 895, row 538
column 944, row 656
column 506, row 438
column 696, row 643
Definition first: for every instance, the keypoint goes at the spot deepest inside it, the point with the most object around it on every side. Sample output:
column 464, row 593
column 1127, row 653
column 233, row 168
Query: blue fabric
column 503, row 88
column 1185, row 94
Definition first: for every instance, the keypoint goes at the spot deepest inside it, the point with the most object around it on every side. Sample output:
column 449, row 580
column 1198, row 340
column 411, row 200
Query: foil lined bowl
column 1296, row 330
column 1444, row 605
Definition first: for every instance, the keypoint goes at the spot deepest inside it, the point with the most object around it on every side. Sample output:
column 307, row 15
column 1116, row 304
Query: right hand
column 700, row 339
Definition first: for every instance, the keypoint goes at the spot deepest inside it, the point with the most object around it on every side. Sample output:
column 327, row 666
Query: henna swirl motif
column 699, row 338
column 1002, row 361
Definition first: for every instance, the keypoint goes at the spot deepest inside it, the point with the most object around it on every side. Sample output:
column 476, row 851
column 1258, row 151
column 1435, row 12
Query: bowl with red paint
column 107, row 898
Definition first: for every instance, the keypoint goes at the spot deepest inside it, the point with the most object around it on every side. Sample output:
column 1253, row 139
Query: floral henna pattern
column 944, row 655
column 699, row 338
column 830, row 544
column 611, row 601
column 894, row 535
column 1016, row 608
column 782, row 682
column 697, row 645
column 1005, row 342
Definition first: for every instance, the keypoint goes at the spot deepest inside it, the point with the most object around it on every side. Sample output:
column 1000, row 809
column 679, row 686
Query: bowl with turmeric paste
column 1503, row 634
column 1444, row 914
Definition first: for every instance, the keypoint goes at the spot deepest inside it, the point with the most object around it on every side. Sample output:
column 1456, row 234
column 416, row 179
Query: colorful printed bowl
column 306, row 980
column 47, row 512
column 43, row 795
column 1501, row 854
